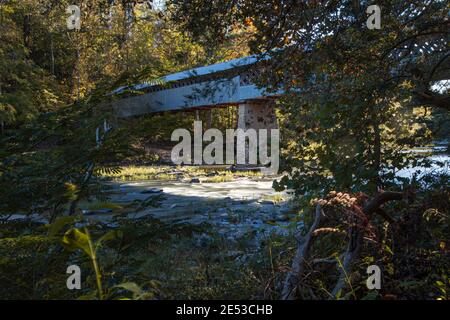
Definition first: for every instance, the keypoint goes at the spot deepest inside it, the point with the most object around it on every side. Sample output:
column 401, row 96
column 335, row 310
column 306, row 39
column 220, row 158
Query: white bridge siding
column 184, row 91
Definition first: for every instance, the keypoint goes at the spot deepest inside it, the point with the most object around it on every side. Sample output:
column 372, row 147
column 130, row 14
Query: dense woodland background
column 367, row 96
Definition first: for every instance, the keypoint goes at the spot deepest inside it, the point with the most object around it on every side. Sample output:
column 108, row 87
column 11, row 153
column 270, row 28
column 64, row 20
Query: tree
column 412, row 37
column 348, row 113
column 26, row 89
column 357, row 99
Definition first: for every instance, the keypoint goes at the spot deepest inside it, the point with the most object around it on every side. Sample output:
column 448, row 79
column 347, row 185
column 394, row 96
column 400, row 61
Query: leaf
column 71, row 191
column 440, row 283
column 388, row 249
column 411, row 284
column 132, row 287
column 75, row 239
column 90, row 296
column 372, row 295
column 110, row 235
column 60, row 223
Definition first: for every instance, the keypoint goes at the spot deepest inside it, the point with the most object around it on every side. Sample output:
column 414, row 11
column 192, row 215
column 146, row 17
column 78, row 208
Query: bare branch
column 298, row 264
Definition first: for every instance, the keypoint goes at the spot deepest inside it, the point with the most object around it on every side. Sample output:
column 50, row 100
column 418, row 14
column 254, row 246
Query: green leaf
column 372, row 295
column 388, row 250
column 132, row 287
column 110, row 235
column 75, row 239
column 90, row 296
column 60, row 223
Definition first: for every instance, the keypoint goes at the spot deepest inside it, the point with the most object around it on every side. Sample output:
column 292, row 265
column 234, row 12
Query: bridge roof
column 213, row 68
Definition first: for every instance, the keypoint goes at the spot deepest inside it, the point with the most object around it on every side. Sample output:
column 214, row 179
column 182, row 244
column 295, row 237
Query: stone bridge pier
column 256, row 115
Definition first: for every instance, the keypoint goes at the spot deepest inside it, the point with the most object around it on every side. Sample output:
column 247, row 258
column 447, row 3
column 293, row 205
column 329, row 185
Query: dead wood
column 301, row 256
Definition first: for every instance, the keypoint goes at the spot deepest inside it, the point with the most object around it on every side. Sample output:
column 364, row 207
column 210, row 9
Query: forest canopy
column 359, row 106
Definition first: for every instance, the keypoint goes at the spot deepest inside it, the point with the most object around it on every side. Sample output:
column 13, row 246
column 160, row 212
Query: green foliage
column 346, row 122
column 138, row 259
column 32, row 265
column 348, row 116
column 26, row 88
column 75, row 239
column 57, row 160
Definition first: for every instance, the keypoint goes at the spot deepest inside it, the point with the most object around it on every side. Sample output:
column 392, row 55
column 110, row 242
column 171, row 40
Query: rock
column 151, row 191
column 33, row 217
column 195, row 180
column 268, row 209
column 270, row 221
column 197, row 220
column 177, row 173
column 98, row 211
column 204, row 211
column 222, row 231
column 112, row 225
column 233, row 253
column 204, row 240
column 249, row 243
column 222, row 210
column 270, row 202
column 243, row 259
column 286, row 210
column 282, row 217
column 257, row 224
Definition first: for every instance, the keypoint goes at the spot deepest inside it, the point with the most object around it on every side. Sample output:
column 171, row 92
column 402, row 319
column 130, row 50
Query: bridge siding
column 198, row 95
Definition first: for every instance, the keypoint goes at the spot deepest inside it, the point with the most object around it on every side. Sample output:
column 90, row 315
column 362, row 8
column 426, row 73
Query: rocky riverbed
column 233, row 209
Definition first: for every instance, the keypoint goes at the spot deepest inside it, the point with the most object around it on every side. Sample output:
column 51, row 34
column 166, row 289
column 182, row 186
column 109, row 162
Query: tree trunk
column 26, row 31
column 294, row 276
column 377, row 152
column 52, row 53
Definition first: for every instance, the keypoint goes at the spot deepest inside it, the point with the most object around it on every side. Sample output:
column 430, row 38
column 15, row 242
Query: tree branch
column 298, row 264
column 357, row 235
